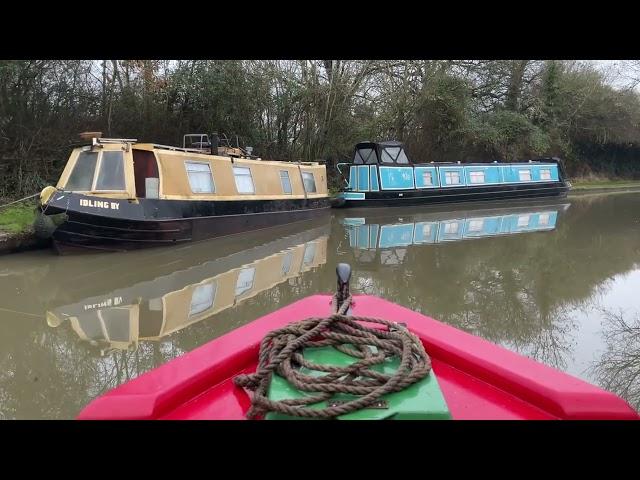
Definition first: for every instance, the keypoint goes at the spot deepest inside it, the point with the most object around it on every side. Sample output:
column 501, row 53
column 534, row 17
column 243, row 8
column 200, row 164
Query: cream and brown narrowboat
column 119, row 194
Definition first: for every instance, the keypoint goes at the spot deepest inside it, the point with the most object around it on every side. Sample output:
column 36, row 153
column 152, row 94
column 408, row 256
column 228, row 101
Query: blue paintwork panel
column 363, row 178
column 363, row 236
column 351, row 195
column 351, row 222
column 420, row 177
column 373, row 235
column 396, row 178
column 352, row 178
column 425, row 232
column 443, row 176
column 374, row 178
column 359, row 236
column 396, row 235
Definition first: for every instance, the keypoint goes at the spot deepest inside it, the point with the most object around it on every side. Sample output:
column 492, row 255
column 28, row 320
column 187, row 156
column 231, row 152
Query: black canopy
column 389, row 152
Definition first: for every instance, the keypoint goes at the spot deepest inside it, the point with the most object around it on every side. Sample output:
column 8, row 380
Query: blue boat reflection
column 388, row 232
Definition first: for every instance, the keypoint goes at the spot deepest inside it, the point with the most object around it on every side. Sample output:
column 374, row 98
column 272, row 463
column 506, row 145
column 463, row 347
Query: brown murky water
column 556, row 281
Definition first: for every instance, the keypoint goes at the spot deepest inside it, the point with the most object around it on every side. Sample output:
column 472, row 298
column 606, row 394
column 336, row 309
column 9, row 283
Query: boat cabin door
column 363, row 176
column 145, row 168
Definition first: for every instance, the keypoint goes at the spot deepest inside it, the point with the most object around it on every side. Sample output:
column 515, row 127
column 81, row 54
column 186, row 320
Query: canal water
column 557, row 281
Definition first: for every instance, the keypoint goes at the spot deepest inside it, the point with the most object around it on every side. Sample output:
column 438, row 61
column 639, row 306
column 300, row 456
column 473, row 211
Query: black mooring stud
column 343, row 270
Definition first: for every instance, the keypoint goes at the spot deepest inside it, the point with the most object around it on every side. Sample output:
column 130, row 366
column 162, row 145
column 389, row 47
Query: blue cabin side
column 375, row 178
column 385, row 166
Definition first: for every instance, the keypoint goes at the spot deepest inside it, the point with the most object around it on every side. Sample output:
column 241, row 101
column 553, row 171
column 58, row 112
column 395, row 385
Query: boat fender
column 45, row 225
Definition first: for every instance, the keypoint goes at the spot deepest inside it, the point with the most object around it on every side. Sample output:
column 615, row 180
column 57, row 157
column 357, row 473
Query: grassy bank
column 603, row 184
column 17, row 218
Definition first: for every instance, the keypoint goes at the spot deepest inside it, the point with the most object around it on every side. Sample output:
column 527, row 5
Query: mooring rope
column 20, row 200
column 281, row 351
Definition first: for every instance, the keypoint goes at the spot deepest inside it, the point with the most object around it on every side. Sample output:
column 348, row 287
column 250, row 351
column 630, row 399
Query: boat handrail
column 115, row 140
column 181, row 149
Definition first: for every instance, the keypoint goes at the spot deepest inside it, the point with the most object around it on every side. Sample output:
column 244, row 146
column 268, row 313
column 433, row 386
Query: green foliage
column 318, row 109
column 512, row 135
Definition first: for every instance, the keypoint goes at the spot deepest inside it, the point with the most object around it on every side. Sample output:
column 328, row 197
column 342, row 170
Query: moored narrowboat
column 120, row 194
column 381, row 174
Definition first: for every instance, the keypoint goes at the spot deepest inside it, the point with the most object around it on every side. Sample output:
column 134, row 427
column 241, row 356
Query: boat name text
column 112, row 302
column 99, row 204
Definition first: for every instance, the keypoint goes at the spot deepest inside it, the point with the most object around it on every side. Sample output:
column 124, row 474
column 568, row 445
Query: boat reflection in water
column 155, row 308
column 387, row 237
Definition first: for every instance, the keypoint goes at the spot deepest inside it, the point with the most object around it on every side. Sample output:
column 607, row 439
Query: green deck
column 421, row 401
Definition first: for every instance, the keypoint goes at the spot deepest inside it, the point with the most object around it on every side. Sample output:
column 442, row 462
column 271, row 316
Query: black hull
column 396, row 198
column 172, row 222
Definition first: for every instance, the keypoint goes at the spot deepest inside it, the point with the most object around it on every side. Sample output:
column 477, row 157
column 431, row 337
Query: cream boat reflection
column 154, row 309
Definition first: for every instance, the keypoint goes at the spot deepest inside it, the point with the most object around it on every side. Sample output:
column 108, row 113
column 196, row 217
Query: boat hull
column 118, row 225
column 401, row 198
column 479, row 380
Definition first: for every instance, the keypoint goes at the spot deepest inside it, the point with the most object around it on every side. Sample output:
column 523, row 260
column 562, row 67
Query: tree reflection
column 618, row 369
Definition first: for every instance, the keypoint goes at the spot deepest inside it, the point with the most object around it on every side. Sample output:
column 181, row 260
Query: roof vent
column 90, row 135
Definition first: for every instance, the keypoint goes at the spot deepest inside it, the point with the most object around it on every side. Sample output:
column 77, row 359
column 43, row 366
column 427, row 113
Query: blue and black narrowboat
column 121, row 194
column 381, row 174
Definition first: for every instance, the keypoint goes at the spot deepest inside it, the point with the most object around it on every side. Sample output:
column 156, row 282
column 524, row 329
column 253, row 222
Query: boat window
column 402, row 158
column 390, row 154
column 202, row 298
column 426, row 178
column 286, row 262
column 245, row 280
column 543, row 219
column 111, row 174
column 91, row 325
column 476, row 225
column 286, row 182
column 451, row 227
column 200, row 177
column 365, row 155
column 426, row 230
column 244, row 182
column 476, row 177
column 545, row 174
column 452, row 178
column 309, row 253
column 523, row 221
column 116, row 322
column 525, row 175
column 81, row 177
column 309, row 182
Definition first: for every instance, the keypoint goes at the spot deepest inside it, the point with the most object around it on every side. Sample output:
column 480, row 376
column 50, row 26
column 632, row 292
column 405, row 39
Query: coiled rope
column 281, row 351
